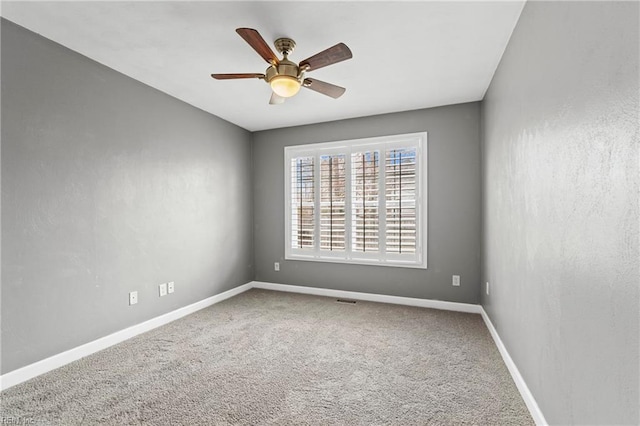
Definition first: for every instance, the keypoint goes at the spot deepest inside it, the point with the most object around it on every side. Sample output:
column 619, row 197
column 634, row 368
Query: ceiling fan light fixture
column 286, row 77
column 285, row 86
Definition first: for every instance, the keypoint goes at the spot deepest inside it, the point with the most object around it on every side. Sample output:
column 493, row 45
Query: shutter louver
column 302, row 203
column 365, row 168
column 400, row 193
column 332, row 202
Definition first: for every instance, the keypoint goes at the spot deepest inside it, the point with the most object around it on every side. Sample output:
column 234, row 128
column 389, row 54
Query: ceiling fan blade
column 338, row 53
column 256, row 41
column 233, row 76
column 325, row 88
column 275, row 99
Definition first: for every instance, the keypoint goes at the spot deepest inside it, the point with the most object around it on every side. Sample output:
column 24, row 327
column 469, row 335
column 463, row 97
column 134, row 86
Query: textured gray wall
column 109, row 186
column 560, row 208
column 453, row 208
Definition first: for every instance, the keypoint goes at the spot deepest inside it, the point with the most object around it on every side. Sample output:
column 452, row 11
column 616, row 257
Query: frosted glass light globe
column 284, row 86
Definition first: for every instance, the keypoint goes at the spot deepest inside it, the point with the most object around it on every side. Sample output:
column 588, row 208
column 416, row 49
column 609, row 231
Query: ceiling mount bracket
column 285, row 45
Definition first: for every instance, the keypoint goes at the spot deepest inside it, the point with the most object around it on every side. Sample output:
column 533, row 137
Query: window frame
column 348, row 147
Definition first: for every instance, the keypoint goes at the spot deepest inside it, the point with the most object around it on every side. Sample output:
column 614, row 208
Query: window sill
column 360, row 262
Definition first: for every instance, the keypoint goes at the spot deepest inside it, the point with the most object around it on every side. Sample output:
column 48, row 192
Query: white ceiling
column 406, row 55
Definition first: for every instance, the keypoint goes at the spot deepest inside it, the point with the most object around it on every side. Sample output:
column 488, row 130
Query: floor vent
column 350, row 302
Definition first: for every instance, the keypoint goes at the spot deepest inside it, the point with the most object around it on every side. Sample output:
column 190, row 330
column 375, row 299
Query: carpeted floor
column 267, row 357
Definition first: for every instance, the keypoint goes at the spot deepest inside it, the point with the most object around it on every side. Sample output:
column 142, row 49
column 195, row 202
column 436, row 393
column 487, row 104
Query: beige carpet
column 267, row 357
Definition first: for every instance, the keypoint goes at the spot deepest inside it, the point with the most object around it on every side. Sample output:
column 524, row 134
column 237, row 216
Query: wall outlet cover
column 163, row 289
column 456, row 281
column 276, row 266
column 170, row 287
column 133, row 298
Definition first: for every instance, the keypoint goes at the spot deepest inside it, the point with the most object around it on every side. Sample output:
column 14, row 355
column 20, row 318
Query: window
column 361, row 201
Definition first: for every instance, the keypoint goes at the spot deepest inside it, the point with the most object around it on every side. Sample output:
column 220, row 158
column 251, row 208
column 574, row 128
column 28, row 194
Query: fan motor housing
column 285, row 67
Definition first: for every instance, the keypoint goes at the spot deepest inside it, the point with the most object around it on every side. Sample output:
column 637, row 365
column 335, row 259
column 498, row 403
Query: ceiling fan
column 283, row 75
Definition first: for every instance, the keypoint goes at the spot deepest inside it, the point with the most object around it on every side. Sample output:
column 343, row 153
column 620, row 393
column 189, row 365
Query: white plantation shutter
column 302, row 203
column 400, row 196
column 358, row 201
column 332, row 202
column 365, row 187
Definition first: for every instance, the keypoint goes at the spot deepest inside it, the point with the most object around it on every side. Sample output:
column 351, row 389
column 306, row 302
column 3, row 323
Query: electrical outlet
column 163, row 289
column 170, row 287
column 456, row 281
column 276, row 266
column 133, row 298
column 487, row 290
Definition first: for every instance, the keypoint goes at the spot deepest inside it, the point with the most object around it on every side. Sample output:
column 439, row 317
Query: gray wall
column 453, row 208
column 560, row 208
column 109, row 186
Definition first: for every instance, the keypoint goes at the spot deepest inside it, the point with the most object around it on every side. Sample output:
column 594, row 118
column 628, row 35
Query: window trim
column 419, row 260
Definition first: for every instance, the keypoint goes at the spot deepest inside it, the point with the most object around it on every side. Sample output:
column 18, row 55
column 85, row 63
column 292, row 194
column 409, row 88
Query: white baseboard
column 528, row 398
column 30, row 371
column 370, row 297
